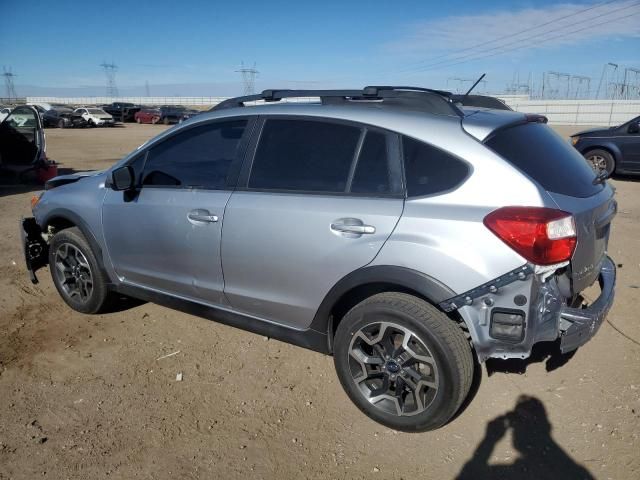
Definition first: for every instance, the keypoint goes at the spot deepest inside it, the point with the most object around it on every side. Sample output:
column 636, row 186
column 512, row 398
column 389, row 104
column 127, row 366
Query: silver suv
column 407, row 235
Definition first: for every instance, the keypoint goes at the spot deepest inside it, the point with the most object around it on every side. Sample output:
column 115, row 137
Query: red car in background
column 148, row 115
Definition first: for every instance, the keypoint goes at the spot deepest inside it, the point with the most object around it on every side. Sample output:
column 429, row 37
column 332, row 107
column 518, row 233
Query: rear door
column 630, row 145
column 166, row 235
column 549, row 160
column 318, row 202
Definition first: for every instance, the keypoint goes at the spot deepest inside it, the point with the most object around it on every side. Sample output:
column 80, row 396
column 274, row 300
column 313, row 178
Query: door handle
column 352, row 226
column 202, row 216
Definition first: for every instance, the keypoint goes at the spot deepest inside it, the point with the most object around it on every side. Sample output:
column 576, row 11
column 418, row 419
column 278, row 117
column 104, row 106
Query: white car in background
column 96, row 117
column 4, row 113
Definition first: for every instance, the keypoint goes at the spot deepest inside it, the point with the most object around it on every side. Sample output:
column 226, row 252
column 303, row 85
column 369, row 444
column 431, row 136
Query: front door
column 630, row 146
column 166, row 235
column 21, row 139
column 321, row 199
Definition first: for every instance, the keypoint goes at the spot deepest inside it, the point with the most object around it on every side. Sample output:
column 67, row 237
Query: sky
column 195, row 47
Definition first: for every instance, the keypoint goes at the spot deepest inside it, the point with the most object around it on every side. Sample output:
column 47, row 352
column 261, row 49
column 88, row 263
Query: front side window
column 199, row 157
column 304, row 155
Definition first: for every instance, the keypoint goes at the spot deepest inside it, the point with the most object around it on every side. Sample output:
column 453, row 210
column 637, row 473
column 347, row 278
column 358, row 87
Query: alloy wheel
column 393, row 368
column 73, row 272
column 598, row 163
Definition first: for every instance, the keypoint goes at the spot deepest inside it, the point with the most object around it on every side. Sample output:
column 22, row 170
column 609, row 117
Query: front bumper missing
column 579, row 325
column 36, row 250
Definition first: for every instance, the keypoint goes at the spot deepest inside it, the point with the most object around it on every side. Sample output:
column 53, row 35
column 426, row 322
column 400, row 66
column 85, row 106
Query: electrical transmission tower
column 552, row 82
column 580, row 86
column 110, row 72
column 631, row 83
column 606, row 78
column 8, row 83
column 248, row 78
column 469, row 81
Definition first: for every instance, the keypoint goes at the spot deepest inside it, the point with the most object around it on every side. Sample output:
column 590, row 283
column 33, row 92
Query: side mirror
column 634, row 128
column 123, row 178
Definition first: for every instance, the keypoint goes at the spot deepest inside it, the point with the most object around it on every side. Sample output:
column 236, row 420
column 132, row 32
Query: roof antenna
column 474, row 85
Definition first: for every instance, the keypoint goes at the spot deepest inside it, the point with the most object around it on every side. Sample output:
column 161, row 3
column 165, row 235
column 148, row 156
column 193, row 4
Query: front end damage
column 510, row 314
column 35, row 247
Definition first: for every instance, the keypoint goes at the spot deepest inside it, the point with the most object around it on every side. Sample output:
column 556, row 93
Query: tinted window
column 373, row 172
column 199, row 157
column 429, row 170
column 547, row 158
column 304, row 155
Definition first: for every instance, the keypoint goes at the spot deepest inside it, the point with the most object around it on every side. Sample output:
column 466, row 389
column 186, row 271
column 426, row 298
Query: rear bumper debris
column 579, row 325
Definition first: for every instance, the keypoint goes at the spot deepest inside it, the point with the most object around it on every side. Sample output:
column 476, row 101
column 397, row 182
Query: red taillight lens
column 543, row 236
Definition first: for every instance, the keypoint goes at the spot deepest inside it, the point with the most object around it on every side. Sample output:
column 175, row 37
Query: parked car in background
column 60, row 117
column 406, row 236
column 121, row 111
column 613, row 150
column 189, row 113
column 23, row 147
column 95, row 117
column 148, row 115
column 4, row 112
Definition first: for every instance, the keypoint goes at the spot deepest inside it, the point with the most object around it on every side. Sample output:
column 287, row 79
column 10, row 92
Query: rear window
column 547, row 158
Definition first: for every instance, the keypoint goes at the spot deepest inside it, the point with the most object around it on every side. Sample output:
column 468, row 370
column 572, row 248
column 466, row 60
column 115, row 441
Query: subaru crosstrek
column 404, row 234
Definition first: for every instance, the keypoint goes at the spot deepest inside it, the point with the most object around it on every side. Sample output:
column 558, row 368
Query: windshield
column 546, row 157
column 97, row 111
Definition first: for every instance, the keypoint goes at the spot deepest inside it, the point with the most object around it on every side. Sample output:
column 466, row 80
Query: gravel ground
column 91, row 396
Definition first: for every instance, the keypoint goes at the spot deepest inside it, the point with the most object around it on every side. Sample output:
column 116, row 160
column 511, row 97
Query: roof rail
column 416, row 98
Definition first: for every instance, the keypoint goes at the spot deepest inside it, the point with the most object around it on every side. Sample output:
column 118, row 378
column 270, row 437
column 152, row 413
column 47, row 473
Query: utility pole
column 628, row 87
column 146, row 88
column 8, row 83
column 110, row 72
column 248, row 78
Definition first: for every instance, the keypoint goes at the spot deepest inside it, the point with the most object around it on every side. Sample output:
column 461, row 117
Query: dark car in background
column 60, row 117
column 613, row 149
column 166, row 114
column 121, row 111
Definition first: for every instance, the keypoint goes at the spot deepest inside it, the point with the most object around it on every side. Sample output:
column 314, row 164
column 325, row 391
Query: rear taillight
column 544, row 236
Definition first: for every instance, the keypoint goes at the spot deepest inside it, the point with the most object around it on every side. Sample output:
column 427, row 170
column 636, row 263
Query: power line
column 453, row 61
column 489, row 42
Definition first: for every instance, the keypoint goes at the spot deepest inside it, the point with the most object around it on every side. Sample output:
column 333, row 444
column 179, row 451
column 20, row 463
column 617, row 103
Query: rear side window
column 200, row 157
column 546, row 157
column 429, row 170
column 304, row 155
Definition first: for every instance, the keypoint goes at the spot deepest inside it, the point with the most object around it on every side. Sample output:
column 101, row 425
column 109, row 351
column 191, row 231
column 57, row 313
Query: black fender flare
column 78, row 221
column 402, row 277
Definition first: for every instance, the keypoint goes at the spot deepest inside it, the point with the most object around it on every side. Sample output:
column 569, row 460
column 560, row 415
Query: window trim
column 234, row 168
column 394, row 152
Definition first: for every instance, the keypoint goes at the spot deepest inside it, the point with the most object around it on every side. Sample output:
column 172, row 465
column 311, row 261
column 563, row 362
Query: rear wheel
column 601, row 160
column 139, row 120
column 61, row 123
column 403, row 362
column 166, row 120
column 76, row 273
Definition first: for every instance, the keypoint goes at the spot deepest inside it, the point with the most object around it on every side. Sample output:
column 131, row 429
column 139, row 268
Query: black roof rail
column 416, row 98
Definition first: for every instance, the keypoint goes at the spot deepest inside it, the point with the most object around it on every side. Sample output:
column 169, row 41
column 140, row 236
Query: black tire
column 62, row 124
column 601, row 160
column 66, row 241
column 166, row 120
column 446, row 347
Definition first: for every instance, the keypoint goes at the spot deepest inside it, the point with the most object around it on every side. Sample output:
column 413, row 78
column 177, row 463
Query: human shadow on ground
column 539, row 456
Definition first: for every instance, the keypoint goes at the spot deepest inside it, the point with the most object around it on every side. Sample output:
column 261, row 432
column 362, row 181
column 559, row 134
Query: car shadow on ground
column 538, row 455
column 625, row 178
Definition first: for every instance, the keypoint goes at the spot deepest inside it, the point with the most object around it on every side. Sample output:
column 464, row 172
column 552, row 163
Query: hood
column 592, row 130
column 71, row 178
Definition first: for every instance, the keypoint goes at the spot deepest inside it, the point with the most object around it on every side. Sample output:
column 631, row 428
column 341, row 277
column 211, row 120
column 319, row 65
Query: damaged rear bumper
column 36, row 250
column 579, row 325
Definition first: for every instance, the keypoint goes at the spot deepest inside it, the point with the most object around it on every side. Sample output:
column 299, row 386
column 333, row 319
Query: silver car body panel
column 275, row 257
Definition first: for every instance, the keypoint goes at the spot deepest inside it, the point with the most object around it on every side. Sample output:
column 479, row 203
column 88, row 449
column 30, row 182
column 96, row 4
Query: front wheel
column 601, row 160
column 76, row 273
column 61, row 123
column 403, row 362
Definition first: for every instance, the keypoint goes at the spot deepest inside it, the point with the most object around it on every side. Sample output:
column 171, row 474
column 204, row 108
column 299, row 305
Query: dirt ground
column 91, row 396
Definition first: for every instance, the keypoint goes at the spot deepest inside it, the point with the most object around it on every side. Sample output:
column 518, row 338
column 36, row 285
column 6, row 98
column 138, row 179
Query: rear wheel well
column 606, row 149
column 357, row 294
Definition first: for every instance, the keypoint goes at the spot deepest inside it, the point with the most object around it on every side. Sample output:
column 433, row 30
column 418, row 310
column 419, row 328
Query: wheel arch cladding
column 62, row 218
column 368, row 281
